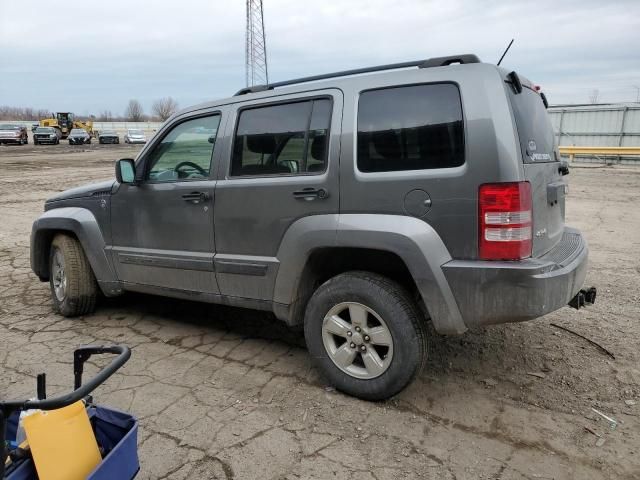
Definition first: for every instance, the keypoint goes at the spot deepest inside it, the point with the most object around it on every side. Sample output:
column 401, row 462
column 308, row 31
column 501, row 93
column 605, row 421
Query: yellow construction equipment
column 65, row 122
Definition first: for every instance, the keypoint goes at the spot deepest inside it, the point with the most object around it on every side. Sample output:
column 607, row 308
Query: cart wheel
column 73, row 285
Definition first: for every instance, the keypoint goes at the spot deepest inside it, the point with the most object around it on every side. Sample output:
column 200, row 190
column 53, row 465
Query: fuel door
column 417, row 203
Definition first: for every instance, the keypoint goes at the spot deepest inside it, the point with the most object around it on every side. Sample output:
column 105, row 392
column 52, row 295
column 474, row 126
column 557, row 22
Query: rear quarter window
column 416, row 127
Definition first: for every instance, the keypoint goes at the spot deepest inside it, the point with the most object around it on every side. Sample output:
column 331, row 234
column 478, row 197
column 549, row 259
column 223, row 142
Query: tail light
column 504, row 211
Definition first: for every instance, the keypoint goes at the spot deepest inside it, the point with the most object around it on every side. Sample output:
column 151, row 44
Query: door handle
column 196, row 197
column 311, row 193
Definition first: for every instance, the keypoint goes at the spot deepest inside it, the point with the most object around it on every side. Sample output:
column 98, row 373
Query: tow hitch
column 583, row 297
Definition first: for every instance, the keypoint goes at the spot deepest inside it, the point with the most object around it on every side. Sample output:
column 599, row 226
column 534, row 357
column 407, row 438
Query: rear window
column 417, row 127
column 536, row 135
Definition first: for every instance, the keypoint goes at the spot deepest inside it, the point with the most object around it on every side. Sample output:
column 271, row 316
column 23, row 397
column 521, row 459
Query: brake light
column 504, row 220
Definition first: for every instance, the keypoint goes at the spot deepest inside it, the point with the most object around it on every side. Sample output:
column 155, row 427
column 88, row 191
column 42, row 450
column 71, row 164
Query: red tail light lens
column 504, row 211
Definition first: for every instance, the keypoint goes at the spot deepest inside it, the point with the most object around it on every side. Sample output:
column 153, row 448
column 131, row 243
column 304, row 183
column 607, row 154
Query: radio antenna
column 505, row 52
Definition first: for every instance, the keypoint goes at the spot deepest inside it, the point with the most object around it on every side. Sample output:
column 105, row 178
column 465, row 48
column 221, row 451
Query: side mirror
column 126, row 171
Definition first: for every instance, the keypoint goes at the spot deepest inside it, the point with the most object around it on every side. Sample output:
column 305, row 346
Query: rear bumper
column 500, row 292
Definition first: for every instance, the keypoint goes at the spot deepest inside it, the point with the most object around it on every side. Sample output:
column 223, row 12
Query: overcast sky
column 88, row 57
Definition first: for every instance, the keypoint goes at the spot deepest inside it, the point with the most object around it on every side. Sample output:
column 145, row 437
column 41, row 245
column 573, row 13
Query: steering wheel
column 195, row 166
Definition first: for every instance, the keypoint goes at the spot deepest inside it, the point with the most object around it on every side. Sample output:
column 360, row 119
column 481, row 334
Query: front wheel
column 364, row 332
column 73, row 285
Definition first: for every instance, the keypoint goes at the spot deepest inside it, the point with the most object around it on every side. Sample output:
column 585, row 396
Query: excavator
column 65, row 122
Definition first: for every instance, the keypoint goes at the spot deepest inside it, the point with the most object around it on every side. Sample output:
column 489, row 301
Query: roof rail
column 429, row 63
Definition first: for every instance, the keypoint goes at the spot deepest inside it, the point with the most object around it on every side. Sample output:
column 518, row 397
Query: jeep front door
column 162, row 228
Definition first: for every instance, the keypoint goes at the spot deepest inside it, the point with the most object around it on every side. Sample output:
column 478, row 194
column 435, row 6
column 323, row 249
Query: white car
column 135, row 136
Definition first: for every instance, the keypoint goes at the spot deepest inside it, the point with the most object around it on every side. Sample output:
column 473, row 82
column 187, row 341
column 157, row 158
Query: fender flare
column 411, row 239
column 82, row 223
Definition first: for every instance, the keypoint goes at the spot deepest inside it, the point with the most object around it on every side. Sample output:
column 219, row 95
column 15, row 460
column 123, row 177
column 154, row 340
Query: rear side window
column 410, row 128
column 282, row 139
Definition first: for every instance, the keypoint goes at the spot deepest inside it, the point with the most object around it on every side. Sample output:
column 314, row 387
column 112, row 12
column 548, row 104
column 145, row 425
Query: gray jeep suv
column 358, row 204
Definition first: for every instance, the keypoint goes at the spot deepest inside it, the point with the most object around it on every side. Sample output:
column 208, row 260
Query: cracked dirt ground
column 226, row 393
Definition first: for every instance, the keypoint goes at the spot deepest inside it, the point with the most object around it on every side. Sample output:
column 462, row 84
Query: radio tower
column 256, row 46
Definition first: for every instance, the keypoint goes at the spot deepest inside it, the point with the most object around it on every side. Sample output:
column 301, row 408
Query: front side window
column 282, row 139
column 185, row 152
column 410, row 128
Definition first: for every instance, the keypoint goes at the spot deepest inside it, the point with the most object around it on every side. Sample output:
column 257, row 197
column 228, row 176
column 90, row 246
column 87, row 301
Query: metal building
column 601, row 125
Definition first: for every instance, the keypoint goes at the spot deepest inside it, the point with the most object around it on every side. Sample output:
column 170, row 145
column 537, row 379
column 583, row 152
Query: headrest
column 386, row 144
column 261, row 143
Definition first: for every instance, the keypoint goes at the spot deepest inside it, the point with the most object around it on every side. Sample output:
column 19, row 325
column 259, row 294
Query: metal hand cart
column 116, row 432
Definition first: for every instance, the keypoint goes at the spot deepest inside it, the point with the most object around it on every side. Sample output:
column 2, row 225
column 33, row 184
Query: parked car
column 12, row 133
column 46, row 135
column 108, row 136
column 135, row 136
column 355, row 206
column 79, row 136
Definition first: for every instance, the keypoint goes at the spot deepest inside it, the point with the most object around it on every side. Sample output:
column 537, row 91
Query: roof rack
column 431, row 62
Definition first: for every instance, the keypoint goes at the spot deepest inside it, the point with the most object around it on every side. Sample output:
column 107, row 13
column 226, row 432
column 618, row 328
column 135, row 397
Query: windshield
column 7, row 126
column 44, row 130
column 135, row 132
column 108, row 132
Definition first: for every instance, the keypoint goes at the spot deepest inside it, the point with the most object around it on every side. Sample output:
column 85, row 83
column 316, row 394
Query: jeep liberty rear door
column 282, row 166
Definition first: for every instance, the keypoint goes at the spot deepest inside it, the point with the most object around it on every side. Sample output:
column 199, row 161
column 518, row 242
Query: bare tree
column 22, row 113
column 164, row 108
column 134, row 111
column 593, row 96
column 105, row 116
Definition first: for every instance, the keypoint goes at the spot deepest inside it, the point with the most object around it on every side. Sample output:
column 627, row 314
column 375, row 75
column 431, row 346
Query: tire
column 74, row 292
column 35, row 142
column 383, row 304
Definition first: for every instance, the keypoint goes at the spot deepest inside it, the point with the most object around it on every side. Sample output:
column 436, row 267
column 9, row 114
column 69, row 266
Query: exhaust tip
column 586, row 296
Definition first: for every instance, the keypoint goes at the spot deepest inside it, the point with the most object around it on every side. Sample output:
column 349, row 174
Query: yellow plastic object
column 62, row 443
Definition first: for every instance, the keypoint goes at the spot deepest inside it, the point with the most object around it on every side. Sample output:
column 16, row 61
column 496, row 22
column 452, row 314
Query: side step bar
column 586, row 296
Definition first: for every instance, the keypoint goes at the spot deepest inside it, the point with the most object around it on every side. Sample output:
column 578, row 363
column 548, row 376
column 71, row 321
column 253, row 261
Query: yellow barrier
column 596, row 151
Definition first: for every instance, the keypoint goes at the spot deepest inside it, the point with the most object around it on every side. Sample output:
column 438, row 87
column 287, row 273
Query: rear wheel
column 365, row 334
column 73, row 286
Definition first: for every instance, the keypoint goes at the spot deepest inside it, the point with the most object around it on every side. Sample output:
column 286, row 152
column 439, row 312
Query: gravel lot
column 227, row 393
